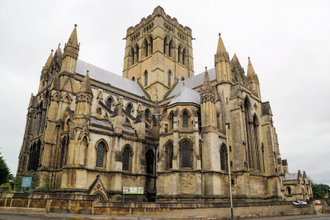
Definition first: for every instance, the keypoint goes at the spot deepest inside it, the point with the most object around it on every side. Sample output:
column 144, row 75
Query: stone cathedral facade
column 159, row 126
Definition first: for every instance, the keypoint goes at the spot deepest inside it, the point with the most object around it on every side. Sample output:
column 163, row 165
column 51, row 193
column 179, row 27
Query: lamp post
column 229, row 172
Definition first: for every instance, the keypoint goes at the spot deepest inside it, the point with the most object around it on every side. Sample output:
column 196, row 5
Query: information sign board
column 133, row 190
column 26, row 181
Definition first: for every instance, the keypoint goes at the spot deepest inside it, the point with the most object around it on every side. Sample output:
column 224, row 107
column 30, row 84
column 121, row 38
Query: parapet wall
column 82, row 204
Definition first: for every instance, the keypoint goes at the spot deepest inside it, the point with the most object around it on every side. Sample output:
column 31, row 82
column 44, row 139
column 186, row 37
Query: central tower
column 158, row 53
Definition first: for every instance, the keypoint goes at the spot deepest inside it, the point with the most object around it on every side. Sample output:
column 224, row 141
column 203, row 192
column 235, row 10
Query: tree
column 4, row 171
column 319, row 190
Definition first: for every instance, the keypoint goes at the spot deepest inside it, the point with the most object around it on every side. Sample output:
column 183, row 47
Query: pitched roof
column 192, row 82
column 107, row 77
column 186, row 95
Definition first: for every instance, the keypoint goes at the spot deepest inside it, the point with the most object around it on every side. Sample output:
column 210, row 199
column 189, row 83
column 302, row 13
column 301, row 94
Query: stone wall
column 79, row 204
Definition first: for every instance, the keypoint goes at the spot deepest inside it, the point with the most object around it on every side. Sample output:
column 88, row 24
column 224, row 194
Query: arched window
column 289, row 190
column 145, row 78
column 164, row 46
column 100, row 154
column 171, row 120
column 184, row 57
column 170, row 45
column 133, row 78
column 182, row 79
column 256, row 141
column 150, row 161
column 132, row 56
column 247, row 131
column 108, row 103
column 126, row 158
column 170, row 156
column 185, row 120
column 146, row 115
column 137, row 53
column 146, row 47
column 129, row 111
column 223, row 157
column 151, row 45
column 185, row 156
column 179, row 54
column 169, row 78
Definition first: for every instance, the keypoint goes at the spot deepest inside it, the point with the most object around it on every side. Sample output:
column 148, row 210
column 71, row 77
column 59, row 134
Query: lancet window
column 100, row 152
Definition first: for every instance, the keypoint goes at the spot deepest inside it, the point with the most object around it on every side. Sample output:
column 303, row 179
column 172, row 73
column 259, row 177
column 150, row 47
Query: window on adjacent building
column 170, row 156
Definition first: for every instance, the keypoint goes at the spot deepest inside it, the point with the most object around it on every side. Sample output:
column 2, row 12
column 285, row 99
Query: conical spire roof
column 250, row 69
column 85, row 86
column 73, row 40
column 221, row 47
column 207, row 83
column 49, row 60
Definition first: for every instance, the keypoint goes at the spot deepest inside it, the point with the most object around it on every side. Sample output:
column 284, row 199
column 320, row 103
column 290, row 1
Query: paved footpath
column 318, row 216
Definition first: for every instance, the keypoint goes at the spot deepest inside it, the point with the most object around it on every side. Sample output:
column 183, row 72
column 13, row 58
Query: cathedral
column 160, row 126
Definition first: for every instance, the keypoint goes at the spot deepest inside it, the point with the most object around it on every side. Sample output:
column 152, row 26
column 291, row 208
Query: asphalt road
column 26, row 217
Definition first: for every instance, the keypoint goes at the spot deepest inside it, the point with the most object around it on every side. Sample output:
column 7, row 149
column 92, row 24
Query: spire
column 85, row 86
column 49, row 60
column 73, row 40
column 207, row 83
column 221, row 47
column 250, row 70
column 71, row 48
column 251, row 74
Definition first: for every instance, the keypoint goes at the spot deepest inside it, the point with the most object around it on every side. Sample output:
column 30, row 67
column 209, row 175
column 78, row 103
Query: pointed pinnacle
column 73, row 40
column 49, row 60
column 221, row 47
column 250, row 69
column 85, row 86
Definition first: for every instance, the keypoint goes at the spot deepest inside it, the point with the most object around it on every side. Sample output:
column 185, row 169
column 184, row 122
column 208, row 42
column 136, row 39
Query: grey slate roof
column 186, row 95
column 192, row 82
column 101, row 122
column 105, row 76
column 291, row 176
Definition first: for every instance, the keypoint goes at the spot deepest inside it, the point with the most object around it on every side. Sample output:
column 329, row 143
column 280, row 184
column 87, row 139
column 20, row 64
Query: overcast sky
column 288, row 42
